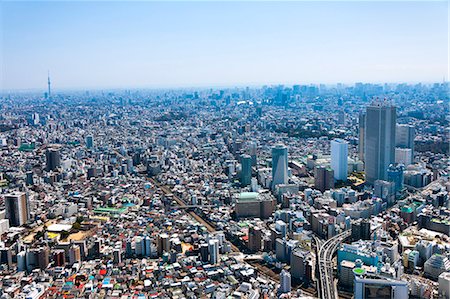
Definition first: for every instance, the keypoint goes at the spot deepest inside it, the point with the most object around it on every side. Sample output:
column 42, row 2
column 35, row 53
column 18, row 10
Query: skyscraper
column 138, row 248
column 379, row 141
column 395, row 174
column 404, row 136
column 246, row 171
column 403, row 156
column 341, row 117
column 163, row 243
column 323, row 178
column 35, row 119
column 29, row 178
column 253, row 152
column 361, row 126
column 360, row 229
column 6, row 257
column 89, row 141
column 17, row 210
column 53, row 159
column 279, row 165
column 339, row 159
column 74, row 254
column 117, row 256
column 213, row 248
column 148, row 246
column 254, row 238
column 285, row 282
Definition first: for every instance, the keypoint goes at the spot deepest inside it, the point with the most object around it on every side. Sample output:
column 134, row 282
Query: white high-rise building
column 285, row 282
column 213, row 248
column 35, row 118
column 403, row 156
column 254, row 185
column 339, row 159
column 279, row 165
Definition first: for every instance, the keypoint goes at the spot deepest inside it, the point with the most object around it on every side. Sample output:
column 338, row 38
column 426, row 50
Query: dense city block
column 303, row 191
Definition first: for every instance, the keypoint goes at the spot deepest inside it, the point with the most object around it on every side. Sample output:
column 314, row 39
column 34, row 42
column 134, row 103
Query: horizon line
column 216, row 86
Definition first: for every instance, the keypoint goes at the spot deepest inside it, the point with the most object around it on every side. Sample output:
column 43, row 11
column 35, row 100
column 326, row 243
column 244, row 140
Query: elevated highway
column 328, row 289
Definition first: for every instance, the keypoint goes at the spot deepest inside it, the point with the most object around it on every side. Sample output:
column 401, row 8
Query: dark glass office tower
column 279, row 165
column 53, row 159
column 379, row 140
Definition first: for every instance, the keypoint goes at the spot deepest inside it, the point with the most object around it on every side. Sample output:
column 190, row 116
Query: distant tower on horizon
column 48, row 82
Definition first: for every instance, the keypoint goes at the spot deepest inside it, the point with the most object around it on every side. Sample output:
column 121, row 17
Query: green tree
column 76, row 226
column 64, row 234
column 39, row 235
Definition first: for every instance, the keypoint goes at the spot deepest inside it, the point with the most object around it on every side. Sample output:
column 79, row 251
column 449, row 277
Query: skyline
column 224, row 149
column 211, row 193
column 98, row 45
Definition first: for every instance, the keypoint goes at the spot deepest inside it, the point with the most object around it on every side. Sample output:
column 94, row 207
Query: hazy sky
column 169, row 44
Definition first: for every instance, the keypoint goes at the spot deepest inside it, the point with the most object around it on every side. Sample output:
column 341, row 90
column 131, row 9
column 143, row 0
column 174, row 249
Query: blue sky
column 178, row 44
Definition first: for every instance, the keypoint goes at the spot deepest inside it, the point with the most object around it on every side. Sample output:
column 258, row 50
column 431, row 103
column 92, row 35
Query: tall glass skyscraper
column 246, row 171
column 253, row 151
column 395, row 174
column 379, row 131
column 279, row 165
column 89, row 141
column 53, row 159
column 339, row 159
column 285, row 282
column 17, row 208
column 213, row 248
column 361, row 137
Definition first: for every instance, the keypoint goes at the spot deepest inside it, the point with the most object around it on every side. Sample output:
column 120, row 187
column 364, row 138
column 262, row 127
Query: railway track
column 265, row 271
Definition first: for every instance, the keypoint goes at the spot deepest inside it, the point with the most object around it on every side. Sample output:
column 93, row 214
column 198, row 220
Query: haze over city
column 180, row 44
column 224, row 150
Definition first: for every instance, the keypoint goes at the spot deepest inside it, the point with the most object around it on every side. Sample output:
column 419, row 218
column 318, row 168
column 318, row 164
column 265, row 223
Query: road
column 209, row 226
column 328, row 289
column 182, row 203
